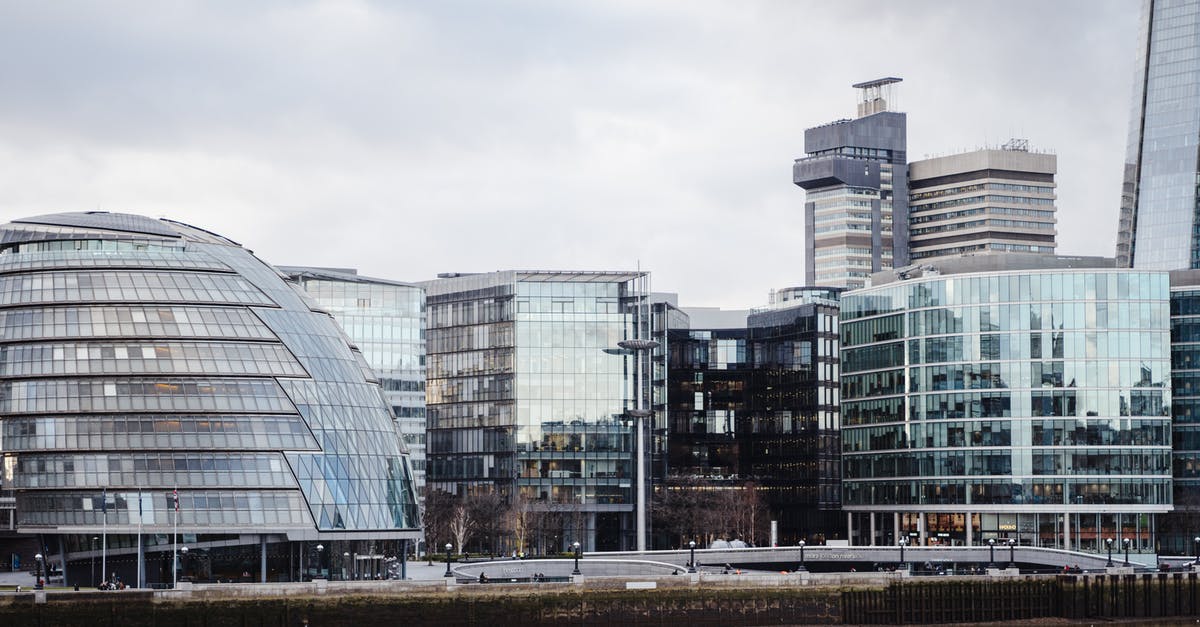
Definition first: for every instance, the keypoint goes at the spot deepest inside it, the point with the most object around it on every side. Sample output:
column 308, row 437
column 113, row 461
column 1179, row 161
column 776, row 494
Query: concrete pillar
column 404, row 559
column 262, row 558
column 895, row 527
column 850, row 527
column 872, row 542
column 1066, row 532
column 970, row 530
column 141, row 560
column 921, row 527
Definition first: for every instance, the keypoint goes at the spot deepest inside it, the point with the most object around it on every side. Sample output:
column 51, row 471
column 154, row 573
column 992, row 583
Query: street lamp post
column 1012, row 547
column 1196, row 541
column 448, row 548
column 902, row 542
column 576, row 547
column 637, row 347
column 183, row 552
column 1109, row 542
column 692, row 561
column 320, row 550
column 802, row 567
column 94, row 539
column 1126, row 542
column 37, row 564
column 991, row 552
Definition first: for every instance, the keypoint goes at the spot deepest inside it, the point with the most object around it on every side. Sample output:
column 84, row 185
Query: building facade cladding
column 1178, row 529
column 386, row 321
column 856, row 182
column 141, row 356
column 992, row 200
column 759, row 406
column 1158, row 228
column 1013, row 403
column 523, row 398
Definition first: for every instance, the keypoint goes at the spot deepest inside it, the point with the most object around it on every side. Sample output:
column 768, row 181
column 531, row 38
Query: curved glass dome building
column 155, row 375
column 1013, row 397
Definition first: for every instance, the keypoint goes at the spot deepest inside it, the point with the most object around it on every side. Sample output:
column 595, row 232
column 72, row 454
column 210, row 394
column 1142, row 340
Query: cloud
column 407, row 139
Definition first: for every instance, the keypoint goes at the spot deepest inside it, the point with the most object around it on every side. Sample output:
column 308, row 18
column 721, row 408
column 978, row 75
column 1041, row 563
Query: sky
column 406, row 139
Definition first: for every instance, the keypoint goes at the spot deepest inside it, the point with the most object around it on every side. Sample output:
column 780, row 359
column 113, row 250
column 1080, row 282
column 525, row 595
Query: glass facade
column 139, row 357
column 759, row 406
column 1158, row 228
column 527, row 398
column 1178, row 529
column 386, row 321
column 1028, row 405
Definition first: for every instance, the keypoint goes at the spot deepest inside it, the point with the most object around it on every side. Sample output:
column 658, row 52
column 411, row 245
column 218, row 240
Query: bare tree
column 490, row 513
column 522, row 521
column 461, row 524
column 438, row 506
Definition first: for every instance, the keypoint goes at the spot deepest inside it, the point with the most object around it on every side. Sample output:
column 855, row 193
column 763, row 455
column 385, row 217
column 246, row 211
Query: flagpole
column 104, row 535
column 141, row 575
column 175, row 543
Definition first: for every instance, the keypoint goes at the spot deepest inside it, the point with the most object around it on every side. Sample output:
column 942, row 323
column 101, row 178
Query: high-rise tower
column 1160, row 200
column 990, row 200
column 856, row 179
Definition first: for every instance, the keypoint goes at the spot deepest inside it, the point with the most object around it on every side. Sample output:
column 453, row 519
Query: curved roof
column 124, row 223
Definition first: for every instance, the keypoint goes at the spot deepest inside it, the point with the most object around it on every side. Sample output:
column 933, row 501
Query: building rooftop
column 1000, row 262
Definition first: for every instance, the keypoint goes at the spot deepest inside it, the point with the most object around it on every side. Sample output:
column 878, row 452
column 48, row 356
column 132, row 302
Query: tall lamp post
column 1126, row 542
column 991, row 552
column 1196, row 564
column 1109, row 542
column 692, row 560
column 638, row 346
column 577, row 552
column 183, row 552
column 37, row 563
column 902, row 542
column 94, row 539
column 802, row 567
column 1012, row 547
column 320, row 550
column 448, row 548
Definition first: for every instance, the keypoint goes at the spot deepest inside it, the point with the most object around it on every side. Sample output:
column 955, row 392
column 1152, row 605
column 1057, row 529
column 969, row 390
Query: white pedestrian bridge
column 817, row 559
column 825, row 557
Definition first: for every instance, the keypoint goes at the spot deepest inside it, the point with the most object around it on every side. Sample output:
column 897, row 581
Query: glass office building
column 1014, row 396
column 1178, row 530
column 157, row 375
column 756, row 408
column 527, row 396
column 1158, row 227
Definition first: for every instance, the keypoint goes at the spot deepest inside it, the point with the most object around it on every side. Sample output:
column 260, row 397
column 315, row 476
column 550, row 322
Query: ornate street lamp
column 320, row 550
column 37, row 563
column 692, row 562
column 1196, row 541
column 801, row 568
column 183, row 550
column 1109, row 542
column 577, row 552
column 902, row 542
column 1012, row 546
column 991, row 552
column 1126, row 542
column 448, row 548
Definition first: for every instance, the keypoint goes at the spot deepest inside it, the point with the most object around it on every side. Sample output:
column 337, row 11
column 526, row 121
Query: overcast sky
column 408, row 139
